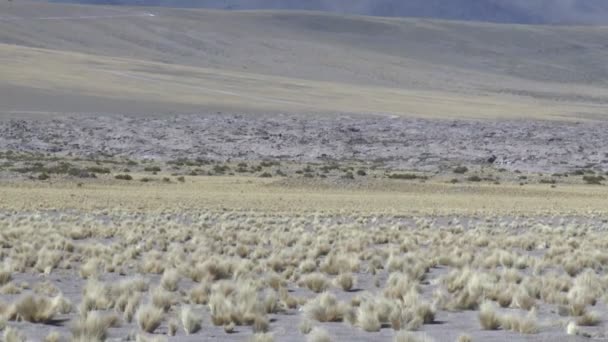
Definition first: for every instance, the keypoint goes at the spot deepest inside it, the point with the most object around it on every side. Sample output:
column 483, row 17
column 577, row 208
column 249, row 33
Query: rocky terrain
column 402, row 143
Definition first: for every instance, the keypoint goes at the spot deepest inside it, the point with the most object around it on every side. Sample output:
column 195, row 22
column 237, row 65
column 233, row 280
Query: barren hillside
column 504, row 11
column 295, row 61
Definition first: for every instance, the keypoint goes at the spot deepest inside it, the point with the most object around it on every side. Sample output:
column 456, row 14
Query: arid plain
column 188, row 175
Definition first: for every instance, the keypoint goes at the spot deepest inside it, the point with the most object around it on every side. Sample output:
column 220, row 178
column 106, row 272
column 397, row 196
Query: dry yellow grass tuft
column 488, row 318
column 5, row 277
column 172, row 326
column 149, row 318
column 39, row 309
column 318, row 335
column 163, row 299
column 404, row 336
column 589, row 319
column 262, row 337
column 316, row 282
column 93, row 327
column 170, row 280
column 345, row 281
column 191, row 320
column 326, row 308
column 464, row 338
column 53, row 336
column 305, row 326
column 13, row 335
column 146, row 338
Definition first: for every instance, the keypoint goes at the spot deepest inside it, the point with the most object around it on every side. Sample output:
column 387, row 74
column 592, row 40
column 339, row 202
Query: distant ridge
column 142, row 60
column 499, row 11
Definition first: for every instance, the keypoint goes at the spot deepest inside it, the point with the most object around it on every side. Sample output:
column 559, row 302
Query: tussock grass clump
column 345, row 281
column 325, row 308
column 262, row 337
column 521, row 324
column 572, row 329
column 53, row 336
column 212, row 270
column 275, row 281
column 318, row 335
column 367, row 318
column 261, row 324
column 404, row 336
column 410, row 311
column 460, row 169
column 126, row 177
column 163, row 299
column 523, row 300
column 149, row 318
column 97, row 296
column 371, row 312
column 61, row 304
column 5, row 277
column 307, row 266
column 406, row 318
column 316, row 282
column 91, row 268
column 48, row 260
column 229, row 328
column 93, row 327
column 585, row 290
column 240, row 304
column 491, row 320
column 399, row 285
column 10, row 289
column 406, row 176
column 46, row 288
column 172, row 326
column 464, row 338
column 589, row 319
column 131, row 306
column 199, row 294
column 305, row 326
column 191, row 320
column 13, row 335
column 170, row 280
column 468, row 288
column 39, row 309
column 593, row 180
column 336, row 264
column 488, row 317
column 145, row 338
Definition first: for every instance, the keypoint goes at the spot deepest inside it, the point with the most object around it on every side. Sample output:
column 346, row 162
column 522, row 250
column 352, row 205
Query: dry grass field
column 391, row 197
column 244, row 258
